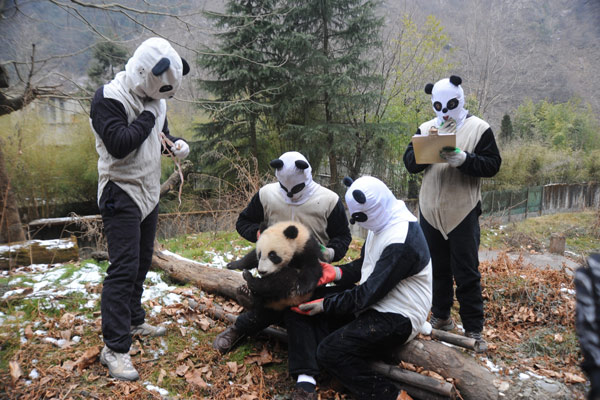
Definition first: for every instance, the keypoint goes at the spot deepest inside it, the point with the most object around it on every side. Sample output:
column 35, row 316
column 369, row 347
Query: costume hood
column 295, row 178
column 448, row 101
column 155, row 70
column 373, row 205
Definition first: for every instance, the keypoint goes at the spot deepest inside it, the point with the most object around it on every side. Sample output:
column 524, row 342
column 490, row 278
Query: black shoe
column 227, row 339
column 300, row 394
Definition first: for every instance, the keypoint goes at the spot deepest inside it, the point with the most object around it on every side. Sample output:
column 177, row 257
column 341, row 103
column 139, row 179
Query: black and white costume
column 450, row 202
column 389, row 306
column 587, row 320
column 127, row 117
column 318, row 208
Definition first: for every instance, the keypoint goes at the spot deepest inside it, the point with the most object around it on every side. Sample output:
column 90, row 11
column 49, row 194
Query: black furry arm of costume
column 338, row 231
column 485, row 160
column 351, row 272
column 397, row 262
column 109, row 120
column 409, row 159
column 249, row 220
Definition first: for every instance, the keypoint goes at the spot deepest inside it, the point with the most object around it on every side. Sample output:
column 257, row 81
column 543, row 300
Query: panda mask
column 448, row 100
column 155, row 70
column 373, row 206
column 295, row 179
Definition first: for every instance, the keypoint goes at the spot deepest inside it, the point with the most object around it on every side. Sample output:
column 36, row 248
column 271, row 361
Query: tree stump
column 557, row 243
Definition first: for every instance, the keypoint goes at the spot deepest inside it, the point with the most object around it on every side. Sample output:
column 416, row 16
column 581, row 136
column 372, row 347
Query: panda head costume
column 295, row 177
column 448, row 100
column 155, row 70
column 373, row 205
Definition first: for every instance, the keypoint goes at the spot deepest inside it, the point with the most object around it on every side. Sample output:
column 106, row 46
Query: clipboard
column 427, row 147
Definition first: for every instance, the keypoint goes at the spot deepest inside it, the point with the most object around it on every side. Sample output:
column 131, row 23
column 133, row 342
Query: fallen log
column 416, row 385
column 38, row 252
column 473, row 381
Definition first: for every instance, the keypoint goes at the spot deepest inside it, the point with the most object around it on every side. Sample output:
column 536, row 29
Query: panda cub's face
column 277, row 245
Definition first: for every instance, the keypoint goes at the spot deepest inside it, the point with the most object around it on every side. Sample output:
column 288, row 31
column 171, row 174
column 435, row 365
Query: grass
column 580, row 231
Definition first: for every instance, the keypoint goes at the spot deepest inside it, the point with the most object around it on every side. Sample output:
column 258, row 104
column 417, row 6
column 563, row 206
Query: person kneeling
column 389, row 305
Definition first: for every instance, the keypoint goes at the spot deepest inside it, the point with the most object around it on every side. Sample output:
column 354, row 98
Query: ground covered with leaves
column 50, row 335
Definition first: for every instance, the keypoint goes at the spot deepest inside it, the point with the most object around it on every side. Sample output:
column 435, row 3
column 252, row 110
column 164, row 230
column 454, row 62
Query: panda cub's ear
column 291, row 232
column 429, row 88
column 276, row 163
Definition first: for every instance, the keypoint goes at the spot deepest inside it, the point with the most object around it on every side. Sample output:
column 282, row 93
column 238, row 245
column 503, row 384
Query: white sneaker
column 146, row 329
column 119, row 365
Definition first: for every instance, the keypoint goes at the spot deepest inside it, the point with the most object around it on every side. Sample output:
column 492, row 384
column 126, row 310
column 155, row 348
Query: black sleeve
column 109, row 120
column 250, row 219
column 397, row 261
column 338, row 231
column 351, row 272
column 409, row 159
column 485, row 160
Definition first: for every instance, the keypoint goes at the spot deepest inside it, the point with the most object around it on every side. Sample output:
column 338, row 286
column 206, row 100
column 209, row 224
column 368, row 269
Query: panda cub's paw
column 234, row 265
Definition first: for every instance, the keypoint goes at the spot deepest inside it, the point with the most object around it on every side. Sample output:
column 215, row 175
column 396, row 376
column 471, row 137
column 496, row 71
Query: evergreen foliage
column 108, row 58
column 506, row 129
column 246, row 74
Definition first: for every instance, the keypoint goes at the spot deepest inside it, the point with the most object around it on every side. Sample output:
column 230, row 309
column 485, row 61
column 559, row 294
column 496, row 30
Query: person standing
column 128, row 117
column 450, row 205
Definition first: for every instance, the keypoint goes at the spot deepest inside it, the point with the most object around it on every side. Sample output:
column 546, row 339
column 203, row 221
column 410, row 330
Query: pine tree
column 245, row 74
column 333, row 79
column 108, row 59
column 506, row 129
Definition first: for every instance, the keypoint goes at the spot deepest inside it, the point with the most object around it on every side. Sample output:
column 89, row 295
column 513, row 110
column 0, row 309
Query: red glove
column 310, row 308
column 330, row 274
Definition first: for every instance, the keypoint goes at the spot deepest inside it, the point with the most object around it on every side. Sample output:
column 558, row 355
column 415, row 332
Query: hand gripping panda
column 287, row 259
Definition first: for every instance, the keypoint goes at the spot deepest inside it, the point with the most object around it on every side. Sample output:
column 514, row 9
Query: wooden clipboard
column 427, row 147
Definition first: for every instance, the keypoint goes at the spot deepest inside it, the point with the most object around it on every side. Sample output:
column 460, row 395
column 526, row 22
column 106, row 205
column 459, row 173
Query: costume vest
column 313, row 213
column 138, row 173
column 447, row 195
column 412, row 296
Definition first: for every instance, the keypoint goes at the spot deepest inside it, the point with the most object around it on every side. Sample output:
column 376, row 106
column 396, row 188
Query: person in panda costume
column 294, row 197
column 450, row 205
column 387, row 307
column 129, row 119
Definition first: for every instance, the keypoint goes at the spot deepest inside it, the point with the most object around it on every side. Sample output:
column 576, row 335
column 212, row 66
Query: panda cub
column 287, row 258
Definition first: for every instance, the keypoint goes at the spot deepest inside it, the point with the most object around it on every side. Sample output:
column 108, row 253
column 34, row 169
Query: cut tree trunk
column 11, row 229
column 473, row 381
column 38, row 252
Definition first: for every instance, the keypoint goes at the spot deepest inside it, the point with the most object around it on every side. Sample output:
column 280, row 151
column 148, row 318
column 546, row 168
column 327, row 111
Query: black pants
column 457, row 259
column 130, row 245
column 345, row 353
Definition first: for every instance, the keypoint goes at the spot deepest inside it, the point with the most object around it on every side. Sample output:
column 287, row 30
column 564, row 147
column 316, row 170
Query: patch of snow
column 568, row 291
column 523, row 376
column 34, row 374
column 491, row 366
column 152, row 388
